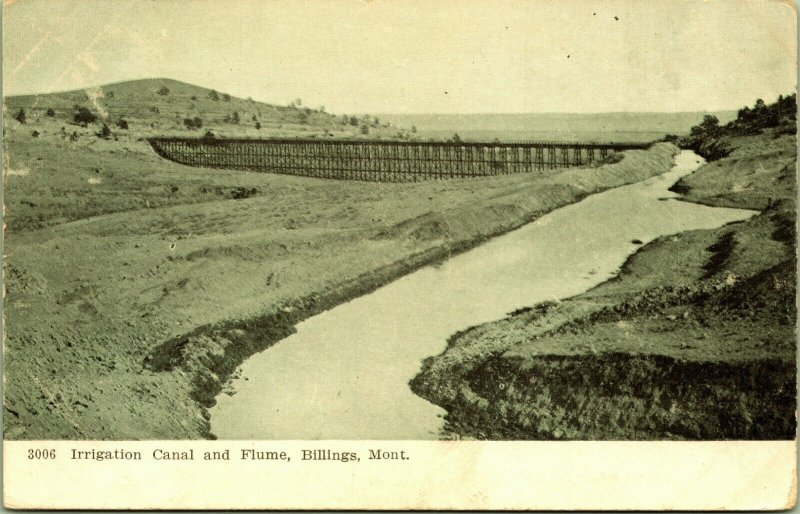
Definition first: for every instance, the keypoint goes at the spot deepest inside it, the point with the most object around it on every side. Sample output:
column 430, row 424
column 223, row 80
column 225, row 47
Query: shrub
column 20, row 116
column 239, row 193
column 105, row 132
column 51, row 113
column 258, row 125
column 163, row 91
column 35, row 133
column 122, row 124
column 365, row 129
column 235, row 117
column 226, row 97
column 213, row 95
column 84, row 116
column 193, row 124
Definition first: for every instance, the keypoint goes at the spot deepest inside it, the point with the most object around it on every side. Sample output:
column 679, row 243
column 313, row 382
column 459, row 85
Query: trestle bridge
column 382, row 161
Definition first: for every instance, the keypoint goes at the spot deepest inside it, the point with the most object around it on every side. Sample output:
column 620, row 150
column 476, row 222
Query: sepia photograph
column 451, row 222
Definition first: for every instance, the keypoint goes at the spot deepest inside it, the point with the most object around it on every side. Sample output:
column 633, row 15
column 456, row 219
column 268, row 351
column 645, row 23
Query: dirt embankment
column 127, row 324
column 695, row 339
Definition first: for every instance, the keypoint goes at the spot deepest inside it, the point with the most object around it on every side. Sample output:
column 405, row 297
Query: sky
column 415, row 56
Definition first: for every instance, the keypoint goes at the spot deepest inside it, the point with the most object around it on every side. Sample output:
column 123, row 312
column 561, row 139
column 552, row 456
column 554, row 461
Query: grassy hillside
column 160, row 106
column 72, row 171
column 134, row 285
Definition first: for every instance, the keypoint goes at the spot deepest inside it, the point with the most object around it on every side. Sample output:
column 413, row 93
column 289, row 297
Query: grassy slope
column 695, row 339
column 135, row 285
column 70, row 179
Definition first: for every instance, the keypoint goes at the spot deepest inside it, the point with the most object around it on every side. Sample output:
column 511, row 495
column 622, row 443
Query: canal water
column 345, row 373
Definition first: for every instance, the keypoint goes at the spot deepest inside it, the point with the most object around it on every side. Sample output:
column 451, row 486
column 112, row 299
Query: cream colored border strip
column 437, row 475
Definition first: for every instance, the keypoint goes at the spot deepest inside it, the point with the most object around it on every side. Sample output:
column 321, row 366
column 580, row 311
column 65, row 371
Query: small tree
column 456, row 138
column 226, row 97
column 105, row 132
column 213, row 95
column 365, row 129
column 35, row 133
column 122, row 124
column 413, row 129
column 163, row 91
column 51, row 113
column 353, row 121
column 84, row 116
column 235, row 117
column 20, row 116
column 258, row 125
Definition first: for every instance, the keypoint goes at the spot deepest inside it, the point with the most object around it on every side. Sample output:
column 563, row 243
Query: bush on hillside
column 708, row 138
column 122, row 124
column 84, row 116
column 226, row 97
column 163, row 91
column 193, row 124
column 105, row 132
column 20, row 116
column 213, row 95
column 51, row 113
column 258, row 125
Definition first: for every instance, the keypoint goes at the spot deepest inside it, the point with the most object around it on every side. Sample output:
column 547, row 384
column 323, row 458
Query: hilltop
column 161, row 106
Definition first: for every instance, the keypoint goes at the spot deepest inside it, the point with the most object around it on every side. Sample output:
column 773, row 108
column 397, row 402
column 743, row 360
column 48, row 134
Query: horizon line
column 417, row 113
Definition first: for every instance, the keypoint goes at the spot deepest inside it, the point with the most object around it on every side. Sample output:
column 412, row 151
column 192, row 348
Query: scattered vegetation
column 20, row 116
column 50, row 113
column 711, row 140
column 163, row 91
